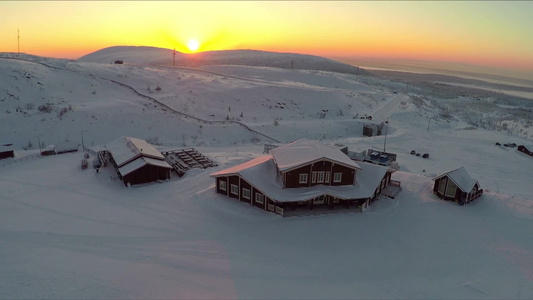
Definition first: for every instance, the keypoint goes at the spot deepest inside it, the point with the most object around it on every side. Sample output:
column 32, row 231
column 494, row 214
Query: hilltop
column 152, row 56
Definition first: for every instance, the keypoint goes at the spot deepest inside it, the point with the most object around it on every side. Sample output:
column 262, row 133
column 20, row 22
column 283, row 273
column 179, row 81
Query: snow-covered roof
column 461, row 178
column 528, row 147
column 262, row 174
column 141, row 162
column 126, row 149
column 6, row 147
column 244, row 166
column 304, row 151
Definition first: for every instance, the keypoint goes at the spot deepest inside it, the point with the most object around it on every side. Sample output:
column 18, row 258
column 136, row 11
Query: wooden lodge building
column 137, row 162
column 458, row 186
column 6, row 151
column 303, row 175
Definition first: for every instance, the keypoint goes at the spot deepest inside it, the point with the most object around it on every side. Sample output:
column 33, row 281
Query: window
column 442, row 185
column 246, row 193
column 234, row 189
column 259, row 198
column 450, row 189
column 222, row 185
column 319, row 200
column 313, row 180
column 303, row 178
column 327, row 177
column 320, row 177
column 337, row 177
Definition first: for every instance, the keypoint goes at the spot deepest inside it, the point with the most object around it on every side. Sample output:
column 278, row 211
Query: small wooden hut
column 457, row 185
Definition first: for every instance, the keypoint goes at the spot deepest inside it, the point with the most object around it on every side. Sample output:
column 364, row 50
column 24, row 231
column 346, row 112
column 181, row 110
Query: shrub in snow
column 62, row 112
column 47, row 108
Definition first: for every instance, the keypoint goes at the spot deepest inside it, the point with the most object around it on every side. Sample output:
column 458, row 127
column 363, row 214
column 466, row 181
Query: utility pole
column 82, row 144
column 385, row 142
column 39, row 141
column 174, row 58
column 429, row 120
column 18, row 41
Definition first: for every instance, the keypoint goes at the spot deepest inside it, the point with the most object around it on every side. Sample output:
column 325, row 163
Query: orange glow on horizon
column 486, row 33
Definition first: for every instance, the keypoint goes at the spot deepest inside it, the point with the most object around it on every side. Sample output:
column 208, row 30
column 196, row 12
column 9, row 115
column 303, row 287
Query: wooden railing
column 477, row 195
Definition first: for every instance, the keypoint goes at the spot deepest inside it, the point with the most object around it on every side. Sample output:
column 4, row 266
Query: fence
column 11, row 162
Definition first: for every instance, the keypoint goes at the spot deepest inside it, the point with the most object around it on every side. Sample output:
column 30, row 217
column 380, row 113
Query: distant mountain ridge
column 152, row 56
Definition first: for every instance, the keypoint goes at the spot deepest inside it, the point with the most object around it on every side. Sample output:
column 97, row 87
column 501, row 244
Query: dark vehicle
column 426, row 155
column 413, row 152
column 418, row 154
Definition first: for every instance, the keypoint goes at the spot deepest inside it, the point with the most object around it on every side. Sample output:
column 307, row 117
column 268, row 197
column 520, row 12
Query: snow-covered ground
column 72, row 233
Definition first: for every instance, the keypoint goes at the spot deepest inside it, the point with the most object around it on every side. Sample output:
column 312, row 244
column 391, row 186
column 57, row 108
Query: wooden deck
column 185, row 159
column 392, row 190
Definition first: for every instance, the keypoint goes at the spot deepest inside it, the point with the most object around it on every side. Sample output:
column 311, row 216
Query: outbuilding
column 137, row 162
column 457, row 185
column 527, row 149
column 6, row 151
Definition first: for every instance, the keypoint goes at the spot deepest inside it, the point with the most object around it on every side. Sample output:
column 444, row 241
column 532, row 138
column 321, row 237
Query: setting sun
column 193, row 45
column 488, row 33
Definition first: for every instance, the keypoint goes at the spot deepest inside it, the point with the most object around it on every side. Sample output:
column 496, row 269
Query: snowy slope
column 60, row 99
column 72, row 233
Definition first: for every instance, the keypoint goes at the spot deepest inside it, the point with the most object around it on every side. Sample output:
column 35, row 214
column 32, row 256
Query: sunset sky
column 490, row 33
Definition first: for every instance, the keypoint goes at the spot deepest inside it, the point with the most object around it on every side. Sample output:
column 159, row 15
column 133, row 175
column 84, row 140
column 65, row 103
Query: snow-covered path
column 388, row 108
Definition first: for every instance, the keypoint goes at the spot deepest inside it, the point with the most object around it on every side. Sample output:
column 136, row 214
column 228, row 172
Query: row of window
column 320, row 177
column 259, row 198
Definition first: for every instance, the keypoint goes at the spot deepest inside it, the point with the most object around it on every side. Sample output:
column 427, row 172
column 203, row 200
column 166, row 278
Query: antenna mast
column 18, row 41
column 174, row 58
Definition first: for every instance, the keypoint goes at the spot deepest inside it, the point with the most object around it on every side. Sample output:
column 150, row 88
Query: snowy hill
column 151, row 56
column 72, row 233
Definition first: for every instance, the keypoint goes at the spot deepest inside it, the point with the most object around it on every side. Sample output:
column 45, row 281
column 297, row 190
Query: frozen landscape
column 71, row 233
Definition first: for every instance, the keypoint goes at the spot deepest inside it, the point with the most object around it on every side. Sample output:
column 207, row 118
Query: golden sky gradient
column 490, row 33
